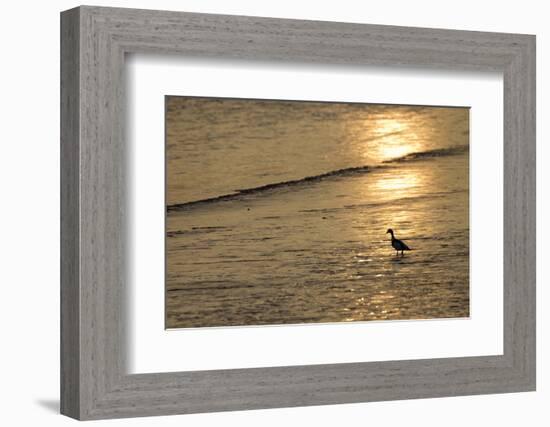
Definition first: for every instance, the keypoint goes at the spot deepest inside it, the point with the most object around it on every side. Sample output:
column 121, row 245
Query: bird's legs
column 401, row 253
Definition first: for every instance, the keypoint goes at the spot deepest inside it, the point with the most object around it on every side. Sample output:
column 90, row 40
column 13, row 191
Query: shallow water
column 315, row 250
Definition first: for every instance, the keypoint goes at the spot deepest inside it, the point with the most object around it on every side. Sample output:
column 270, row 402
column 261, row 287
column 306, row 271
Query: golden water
column 315, row 251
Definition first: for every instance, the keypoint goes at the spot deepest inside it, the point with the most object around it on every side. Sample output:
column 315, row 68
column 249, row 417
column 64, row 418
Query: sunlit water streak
column 315, row 251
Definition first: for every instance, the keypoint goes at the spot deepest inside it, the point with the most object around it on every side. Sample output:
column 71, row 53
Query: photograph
column 297, row 212
column 265, row 214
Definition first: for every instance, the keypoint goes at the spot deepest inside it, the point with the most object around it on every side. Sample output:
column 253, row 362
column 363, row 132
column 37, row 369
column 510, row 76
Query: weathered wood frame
column 94, row 382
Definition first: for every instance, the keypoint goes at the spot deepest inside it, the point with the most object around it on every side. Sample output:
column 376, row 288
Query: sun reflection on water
column 398, row 136
column 399, row 182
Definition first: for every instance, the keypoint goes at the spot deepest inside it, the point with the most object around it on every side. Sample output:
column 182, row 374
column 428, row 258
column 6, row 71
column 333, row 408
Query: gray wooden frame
column 94, row 382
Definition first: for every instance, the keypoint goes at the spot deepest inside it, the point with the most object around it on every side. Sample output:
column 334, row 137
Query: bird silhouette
column 397, row 244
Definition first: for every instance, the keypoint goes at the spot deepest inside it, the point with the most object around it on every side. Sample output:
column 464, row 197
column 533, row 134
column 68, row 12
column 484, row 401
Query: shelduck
column 397, row 244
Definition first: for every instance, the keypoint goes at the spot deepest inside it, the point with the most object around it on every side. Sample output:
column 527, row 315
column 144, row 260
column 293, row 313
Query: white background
column 29, row 218
column 153, row 349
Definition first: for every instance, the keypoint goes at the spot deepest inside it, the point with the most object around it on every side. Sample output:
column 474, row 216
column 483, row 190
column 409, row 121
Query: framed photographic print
column 292, row 213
